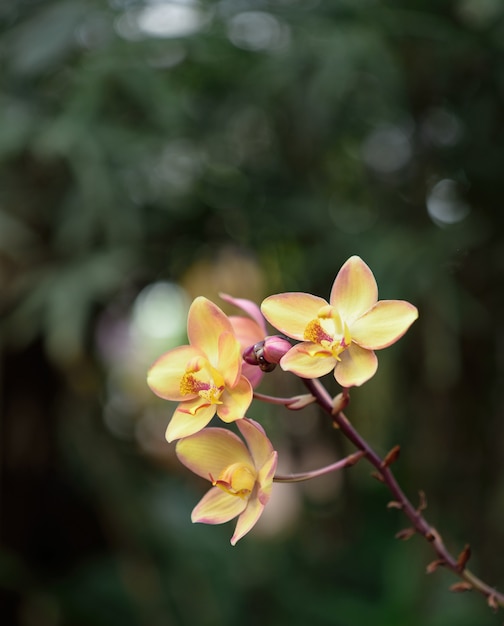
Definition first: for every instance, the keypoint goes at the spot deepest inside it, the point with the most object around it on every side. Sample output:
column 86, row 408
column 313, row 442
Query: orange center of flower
column 236, row 480
column 201, row 379
column 329, row 331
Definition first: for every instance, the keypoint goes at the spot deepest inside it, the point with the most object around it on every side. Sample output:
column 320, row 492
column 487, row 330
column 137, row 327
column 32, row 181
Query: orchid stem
column 271, row 399
column 297, row 478
column 414, row 514
column 294, row 403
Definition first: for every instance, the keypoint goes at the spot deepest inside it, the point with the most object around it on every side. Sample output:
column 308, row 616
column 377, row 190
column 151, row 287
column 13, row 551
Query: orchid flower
column 242, row 476
column 249, row 331
column 205, row 376
column 341, row 334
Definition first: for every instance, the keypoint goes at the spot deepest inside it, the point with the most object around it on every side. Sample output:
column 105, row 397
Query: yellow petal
column 210, row 451
column 217, row 507
column 303, row 361
column 184, row 422
column 235, row 401
column 165, row 375
column 258, row 443
column 205, row 324
column 356, row 366
column 354, row 290
column 291, row 312
column 247, row 519
column 265, row 477
column 383, row 324
column 230, row 359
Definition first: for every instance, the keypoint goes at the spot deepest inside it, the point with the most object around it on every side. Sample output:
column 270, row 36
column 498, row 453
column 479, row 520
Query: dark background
column 151, row 152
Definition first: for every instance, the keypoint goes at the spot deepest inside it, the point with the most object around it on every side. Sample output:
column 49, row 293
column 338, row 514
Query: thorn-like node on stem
column 432, row 535
column 377, row 476
column 463, row 557
column 460, row 587
column 394, row 504
column 355, row 457
column 405, row 534
column 391, row 457
column 492, row 602
column 423, row 501
column 300, row 402
column 432, row 567
column 340, row 402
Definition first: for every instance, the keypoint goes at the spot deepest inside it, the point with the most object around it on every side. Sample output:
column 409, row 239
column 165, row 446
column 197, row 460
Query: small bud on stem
column 461, row 587
column 463, row 557
column 391, row 457
column 405, row 534
column 432, row 567
column 394, row 504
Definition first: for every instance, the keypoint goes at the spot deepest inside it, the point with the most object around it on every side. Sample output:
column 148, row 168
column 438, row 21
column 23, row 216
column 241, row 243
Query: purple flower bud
column 250, row 356
column 275, row 347
column 266, row 354
column 256, row 354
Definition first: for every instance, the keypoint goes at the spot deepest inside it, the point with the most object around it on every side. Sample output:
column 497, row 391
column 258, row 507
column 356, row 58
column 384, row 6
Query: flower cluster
column 216, row 373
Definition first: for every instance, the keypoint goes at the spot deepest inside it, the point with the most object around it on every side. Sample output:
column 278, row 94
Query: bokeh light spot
column 444, row 204
column 160, row 310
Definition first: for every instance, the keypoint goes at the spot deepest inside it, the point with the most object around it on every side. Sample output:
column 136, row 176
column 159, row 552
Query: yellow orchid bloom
column 343, row 333
column 242, row 476
column 205, row 376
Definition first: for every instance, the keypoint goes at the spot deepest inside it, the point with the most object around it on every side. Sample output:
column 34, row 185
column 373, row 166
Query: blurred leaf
column 46, row 39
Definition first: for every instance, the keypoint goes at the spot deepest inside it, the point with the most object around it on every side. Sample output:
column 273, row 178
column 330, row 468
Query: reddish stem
column 327, row 469
column 419, row 523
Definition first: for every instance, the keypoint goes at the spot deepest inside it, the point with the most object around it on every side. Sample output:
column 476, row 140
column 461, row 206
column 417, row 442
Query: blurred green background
column 152, row 151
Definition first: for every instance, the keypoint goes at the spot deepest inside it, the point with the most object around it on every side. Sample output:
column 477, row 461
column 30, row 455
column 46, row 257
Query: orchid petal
column 205, row 324
column 258, row 443
column 247, row 519
column 217, row 507
column 265, row 477
column 189, row 418
column 291, row 312
column 230, row 360
column 303, row 361
column 249, row 307
column 208, row 452
column 356, row 366
column 248, row 334
column 252, row 373
column 235, row 401
column 246, row 331
column 383, row 324
column 354, row 290
column 165, row 375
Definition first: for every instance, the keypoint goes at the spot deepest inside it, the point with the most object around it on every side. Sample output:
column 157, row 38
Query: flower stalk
column 295, row 403
column 352, row 459
column 420, row 525
column 218, row 371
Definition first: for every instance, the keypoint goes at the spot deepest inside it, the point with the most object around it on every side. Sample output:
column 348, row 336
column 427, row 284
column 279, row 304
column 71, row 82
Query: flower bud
column 255, row 356
column 250, row 355
column 275, row 347
column 266, row 354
